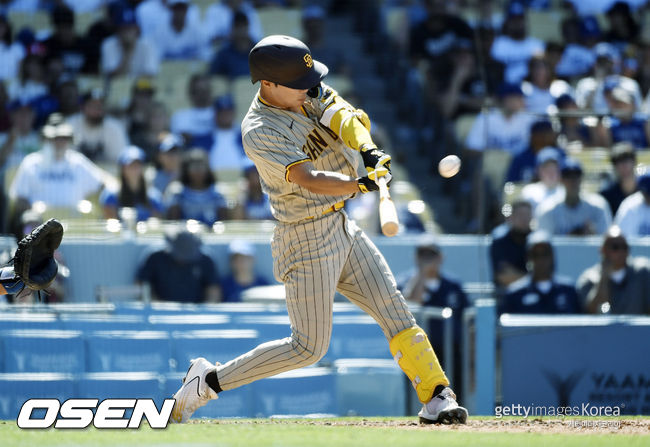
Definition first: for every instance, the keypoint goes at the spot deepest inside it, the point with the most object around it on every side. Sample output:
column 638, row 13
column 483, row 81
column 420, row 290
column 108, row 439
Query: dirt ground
column 532, row 425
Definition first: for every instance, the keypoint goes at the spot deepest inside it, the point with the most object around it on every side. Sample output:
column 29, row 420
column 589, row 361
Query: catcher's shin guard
column 413, row 353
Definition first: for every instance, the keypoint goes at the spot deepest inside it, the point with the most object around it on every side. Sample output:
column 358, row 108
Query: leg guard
column 413, row 353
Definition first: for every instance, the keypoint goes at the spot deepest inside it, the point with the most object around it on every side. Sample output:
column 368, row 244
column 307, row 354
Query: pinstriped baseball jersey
column 314, row 254
column 276, row 139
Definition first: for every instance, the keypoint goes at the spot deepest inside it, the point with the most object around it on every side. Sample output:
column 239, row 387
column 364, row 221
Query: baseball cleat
column 443, row 409
column 194, row 393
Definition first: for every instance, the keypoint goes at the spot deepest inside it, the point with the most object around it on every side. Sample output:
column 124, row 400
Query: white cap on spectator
column 241, row 247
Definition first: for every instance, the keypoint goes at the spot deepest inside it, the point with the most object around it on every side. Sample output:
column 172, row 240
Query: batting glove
column 366, row 184
column 374, row 158
column 378, row 173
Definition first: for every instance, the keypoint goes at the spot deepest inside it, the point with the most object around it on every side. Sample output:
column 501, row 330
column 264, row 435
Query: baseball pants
column 314, row 258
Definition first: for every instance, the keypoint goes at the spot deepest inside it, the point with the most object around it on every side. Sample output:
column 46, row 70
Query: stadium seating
column 307, row 391
column 243, row 92
column 34, row 320
column 101, row 322
column 186, row 322
column 269, row 327
column 544, row 25
column 215, row 345
column 42, row 350
column 125, row 351
column 369, row 387
column 38, row 20
column 280, row 21
column 15, row 389
column 233, row 403
column 132, row 385
column 357, row 336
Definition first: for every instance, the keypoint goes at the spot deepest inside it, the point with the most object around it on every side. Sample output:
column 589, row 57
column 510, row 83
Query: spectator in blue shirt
column 225, row 146
column 132, row 191
column 196, row 195
column 242, row 271
column 540, row 291
column 256, row 204
column 508, row 249
column 522, row 167
column 232, row 59
column 623, row 158
column 573, row 131
column 625, row 125
column 168, row 161
column 181, row 271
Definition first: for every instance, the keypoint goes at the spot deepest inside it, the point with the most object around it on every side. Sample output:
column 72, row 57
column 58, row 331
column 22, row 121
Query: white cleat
column 194, row 393
column 443, row 409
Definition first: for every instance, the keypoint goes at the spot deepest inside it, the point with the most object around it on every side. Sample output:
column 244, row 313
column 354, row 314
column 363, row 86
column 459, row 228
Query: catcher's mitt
column 34, row 260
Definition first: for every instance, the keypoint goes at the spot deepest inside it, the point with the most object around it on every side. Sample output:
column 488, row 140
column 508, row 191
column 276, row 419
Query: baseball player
column 305, row 141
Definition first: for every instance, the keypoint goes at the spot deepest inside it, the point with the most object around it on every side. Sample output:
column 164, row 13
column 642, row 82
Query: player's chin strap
column 413, row 353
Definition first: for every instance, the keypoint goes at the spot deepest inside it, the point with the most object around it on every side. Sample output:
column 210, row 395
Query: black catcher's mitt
column 34, row 260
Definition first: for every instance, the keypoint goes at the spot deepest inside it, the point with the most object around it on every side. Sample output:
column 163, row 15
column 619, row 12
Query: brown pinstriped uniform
column 316, row 250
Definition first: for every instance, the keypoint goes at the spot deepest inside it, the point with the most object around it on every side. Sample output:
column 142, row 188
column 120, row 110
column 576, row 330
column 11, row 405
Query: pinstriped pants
column 313, row 259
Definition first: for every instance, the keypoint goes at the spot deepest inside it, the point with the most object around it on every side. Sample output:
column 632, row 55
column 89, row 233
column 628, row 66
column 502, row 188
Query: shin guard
column 413, row 353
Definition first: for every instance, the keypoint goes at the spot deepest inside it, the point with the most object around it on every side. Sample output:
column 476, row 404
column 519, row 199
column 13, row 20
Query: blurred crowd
column 67, row 148
column 524, row 110
column 520, row 106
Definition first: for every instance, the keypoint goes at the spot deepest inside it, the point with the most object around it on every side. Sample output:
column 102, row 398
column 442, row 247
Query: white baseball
column 449, row 166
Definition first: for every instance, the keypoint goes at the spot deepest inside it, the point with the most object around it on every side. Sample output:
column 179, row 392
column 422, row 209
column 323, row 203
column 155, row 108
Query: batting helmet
column 285, row 61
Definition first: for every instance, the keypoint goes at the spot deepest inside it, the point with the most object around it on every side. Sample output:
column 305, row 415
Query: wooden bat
column 387, row 212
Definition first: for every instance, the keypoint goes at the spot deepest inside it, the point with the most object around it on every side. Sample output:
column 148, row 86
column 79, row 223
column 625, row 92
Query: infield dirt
column 620, row 425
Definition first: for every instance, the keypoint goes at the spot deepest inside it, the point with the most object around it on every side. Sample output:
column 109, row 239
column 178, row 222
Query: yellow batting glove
column 378, row 173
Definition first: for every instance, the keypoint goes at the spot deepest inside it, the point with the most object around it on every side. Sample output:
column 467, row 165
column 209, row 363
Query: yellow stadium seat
column 595, row 162
column 512, row 191
column 203, row 5
column 340, row 83
column 495, row 166
column 89, row 82
column 220, row 86
column 397, row 26
column 82, row 22
column 462, row 126
column 119, row 93
column 173, row 69
column 173, row 94
column 173, row 79
column 281, row 21
column 643, row 158
column 545, row 25
column 38, row 21
column 243, row 92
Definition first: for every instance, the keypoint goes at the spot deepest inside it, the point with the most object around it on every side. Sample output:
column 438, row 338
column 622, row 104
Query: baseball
column 449, row 166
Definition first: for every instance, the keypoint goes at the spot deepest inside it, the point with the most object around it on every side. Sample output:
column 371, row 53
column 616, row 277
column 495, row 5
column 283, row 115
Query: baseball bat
column 387, row 212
